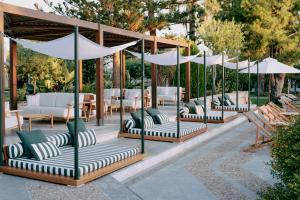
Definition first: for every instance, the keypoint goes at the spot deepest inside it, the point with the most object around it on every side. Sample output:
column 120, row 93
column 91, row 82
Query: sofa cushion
column 64, row 99
column 163, row 91
column 31, row 100
column 132, row 94
column 47, row 99
column 31, row 137
column 44, row 150
column 56, row 111
column 32, row 109
column 168, row 97
column 108, row 93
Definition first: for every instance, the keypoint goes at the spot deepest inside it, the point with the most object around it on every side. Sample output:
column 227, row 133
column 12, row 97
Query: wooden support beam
column 2, row 87
column 100, row 82
column 13, row 75
column 154, row 76
column 187, row 95
column 80, row 77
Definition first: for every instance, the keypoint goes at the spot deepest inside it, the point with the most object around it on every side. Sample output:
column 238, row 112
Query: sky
column 175, row 29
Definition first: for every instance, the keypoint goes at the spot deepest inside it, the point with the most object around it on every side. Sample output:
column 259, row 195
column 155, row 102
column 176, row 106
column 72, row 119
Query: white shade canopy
column 240, row 65
column 271, row 66
column 210, row 60
column 64, row 47
column 165, row 59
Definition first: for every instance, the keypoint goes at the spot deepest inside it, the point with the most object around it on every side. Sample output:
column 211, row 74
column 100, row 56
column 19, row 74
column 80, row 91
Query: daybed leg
column 257, row 137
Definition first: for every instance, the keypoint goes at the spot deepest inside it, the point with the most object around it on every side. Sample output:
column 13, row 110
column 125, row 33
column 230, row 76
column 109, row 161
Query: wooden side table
column 31, row 117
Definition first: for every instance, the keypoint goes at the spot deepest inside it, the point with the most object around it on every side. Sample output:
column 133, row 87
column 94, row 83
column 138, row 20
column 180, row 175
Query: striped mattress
column 91, row 158
column 169, row 129
column 241, row 107
column 210, row 115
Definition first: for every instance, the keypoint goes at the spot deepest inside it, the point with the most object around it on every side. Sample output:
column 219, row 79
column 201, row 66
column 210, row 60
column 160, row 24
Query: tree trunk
column 261, row 86
column 116, row 70
column 277, row 82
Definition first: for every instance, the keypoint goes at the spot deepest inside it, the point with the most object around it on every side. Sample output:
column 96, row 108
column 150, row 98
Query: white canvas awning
column 271, row 66
column 64, row 47
column 210, row 60
column 165, row 59
column 241, row 64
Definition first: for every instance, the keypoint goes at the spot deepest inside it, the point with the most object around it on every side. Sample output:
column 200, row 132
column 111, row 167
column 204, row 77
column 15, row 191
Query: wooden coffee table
column 31, row 117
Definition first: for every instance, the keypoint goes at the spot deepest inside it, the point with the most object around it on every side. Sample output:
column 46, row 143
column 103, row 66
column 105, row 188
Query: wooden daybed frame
column 65, row 180
column 228, row 119
column 164, row 139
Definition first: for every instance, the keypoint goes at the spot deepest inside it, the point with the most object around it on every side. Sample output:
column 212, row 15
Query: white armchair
column 132, row 99
column 13, row 119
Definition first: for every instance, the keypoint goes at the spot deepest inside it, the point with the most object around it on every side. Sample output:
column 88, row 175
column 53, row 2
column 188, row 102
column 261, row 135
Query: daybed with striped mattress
column 241, row 107
column 211, row 116
column 94, row 161
column 167, row 132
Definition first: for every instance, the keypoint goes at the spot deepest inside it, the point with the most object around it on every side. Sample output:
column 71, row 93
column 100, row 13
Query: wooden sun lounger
column 263, row 129
column 272, row 116
column 64, row 180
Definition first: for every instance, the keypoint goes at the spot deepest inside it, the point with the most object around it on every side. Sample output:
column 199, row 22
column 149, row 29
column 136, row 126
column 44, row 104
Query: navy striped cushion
column 148, row 122
column 60, row 139
column 15, row 150
column 87, row 138
column 183, row 110
column 129, row 123
column 44, row 150
column 162, row 118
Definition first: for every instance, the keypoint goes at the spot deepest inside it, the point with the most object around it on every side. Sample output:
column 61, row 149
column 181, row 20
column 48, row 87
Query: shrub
column 286, row 163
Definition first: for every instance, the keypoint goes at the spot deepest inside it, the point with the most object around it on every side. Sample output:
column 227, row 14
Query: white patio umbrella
column 271, row 66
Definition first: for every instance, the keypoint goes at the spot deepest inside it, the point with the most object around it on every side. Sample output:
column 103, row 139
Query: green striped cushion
column 15, row 150
column 44, row 150
column 183, row 111
column 148, row 122
column 60, row 139
column 129, row 123
column 86, row 138
column 162, row 118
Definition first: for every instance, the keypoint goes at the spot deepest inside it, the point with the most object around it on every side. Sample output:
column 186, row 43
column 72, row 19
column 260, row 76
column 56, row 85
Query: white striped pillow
column 148, row 122
column 87, row 138
column 161, row 118
column 44, row 150
column 129, row 123
column 60, row 139
column 15, row 150
column 183, row 111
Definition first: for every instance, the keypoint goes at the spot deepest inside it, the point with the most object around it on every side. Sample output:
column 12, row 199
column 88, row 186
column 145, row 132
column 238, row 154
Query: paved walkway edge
column 149, row 162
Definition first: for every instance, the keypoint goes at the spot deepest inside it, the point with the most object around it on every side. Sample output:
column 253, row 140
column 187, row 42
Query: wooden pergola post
column 124, row 69
column 13, row 75
column 80, row 77
column 100, row 82
column 2, row 96
column 187, row 95
column 154, row 76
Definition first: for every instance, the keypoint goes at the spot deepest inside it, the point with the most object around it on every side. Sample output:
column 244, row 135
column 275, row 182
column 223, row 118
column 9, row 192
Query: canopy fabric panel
column 210, row 60
column 165, row 59
column 64, row 47
column 241, row 65
column 271, row 66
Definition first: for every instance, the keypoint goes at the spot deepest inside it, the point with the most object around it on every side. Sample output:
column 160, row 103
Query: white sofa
column 132, row 99
column 60, row 105
column 167, row 94
column 110, row 94
column 13, row 119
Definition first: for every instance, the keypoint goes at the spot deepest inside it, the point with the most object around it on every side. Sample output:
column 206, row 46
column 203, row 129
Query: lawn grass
column 261, row 100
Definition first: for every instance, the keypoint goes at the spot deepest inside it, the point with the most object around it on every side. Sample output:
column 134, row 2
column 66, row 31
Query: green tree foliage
column 222, row 36
column 285, row 164
column 46, row 73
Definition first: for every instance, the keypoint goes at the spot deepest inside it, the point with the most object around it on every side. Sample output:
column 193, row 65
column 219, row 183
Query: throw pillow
column 216, row 102
column 228, row 98
column 32, row 137
column 153, row 112
column 199, row 110
column 183, row 111
column 44, row 150
column 148, row 122
column 129, row 123
column 161, row 118
column 81, row 128
column 137, row 116
column 87, row 138
column 199, row 102
column 15, row 150
column 191, row 106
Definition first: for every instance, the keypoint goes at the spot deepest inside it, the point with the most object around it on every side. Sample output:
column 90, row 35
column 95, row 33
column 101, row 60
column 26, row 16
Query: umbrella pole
column 76, row 104
column 269, row 87
column 249, row 84
column 198, row 81
column 223, row 84
column 205, row 106
column 212, row 81
column 178, row 91
column 237, row 85
column 142, row 91
column 257, row 93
